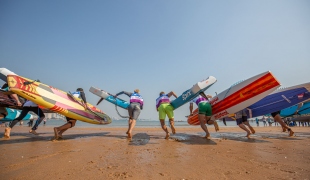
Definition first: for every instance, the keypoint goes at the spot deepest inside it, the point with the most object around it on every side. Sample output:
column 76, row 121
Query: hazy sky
column 154, row 45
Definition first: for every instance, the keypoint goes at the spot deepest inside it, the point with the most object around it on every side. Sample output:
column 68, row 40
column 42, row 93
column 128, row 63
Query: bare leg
column 172, row 125
column 23, row 113
column 59, row 130
column 284, row 126
column 209, row 122
column 164, row 127
column 216, row 126
column 202, row 118
column 250, row 127
column 129, row 122
column 131, row 126
column 242, row 126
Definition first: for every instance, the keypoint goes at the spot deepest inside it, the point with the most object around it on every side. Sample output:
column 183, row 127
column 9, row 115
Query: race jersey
column 136, row 98
column 77, row 94
column 162, row 99
column 30, row 104
column 80, row 94
column 199, row 99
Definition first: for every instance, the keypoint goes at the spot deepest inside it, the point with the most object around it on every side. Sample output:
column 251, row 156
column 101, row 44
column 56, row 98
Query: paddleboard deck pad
column 239, row 96
column 109, row 97
column 56, row 100
column 280, row 99
column 193, row 92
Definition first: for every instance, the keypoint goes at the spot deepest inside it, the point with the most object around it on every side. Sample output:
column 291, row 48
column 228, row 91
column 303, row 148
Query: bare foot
column 291, row 132
column 248, row 135
column 167, row 136
column 207, row 136
column 33, row 132
column 56, row 135
column 252, row 130
column 129, row 136
column 173, row 129
column 216, row 126
column 7, row 132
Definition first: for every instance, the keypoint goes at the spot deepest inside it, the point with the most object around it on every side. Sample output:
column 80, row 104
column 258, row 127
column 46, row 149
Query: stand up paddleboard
column 290, row 111
column 13, row 113
column 193, row 92
column 4, row 72
column 280, row 99
column 109, row 97
column 239, row 96
column 56, row 100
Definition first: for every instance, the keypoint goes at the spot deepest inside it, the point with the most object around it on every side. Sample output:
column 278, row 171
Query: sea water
column 139, row 123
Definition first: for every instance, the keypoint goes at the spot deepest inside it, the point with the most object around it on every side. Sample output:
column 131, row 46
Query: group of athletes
column 163, row 107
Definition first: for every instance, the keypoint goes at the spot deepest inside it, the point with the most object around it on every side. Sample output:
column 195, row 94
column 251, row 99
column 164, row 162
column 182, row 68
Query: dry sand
column 105, row 153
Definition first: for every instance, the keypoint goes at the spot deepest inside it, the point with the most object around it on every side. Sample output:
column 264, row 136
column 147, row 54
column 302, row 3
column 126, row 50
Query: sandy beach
column 105, row 153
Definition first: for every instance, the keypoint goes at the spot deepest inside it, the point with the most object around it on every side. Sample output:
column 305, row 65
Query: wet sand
column 105, row 153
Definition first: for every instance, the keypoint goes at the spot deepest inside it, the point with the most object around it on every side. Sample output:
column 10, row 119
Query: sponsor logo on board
column 284, row 97
column 300, row 96
column 213, row 101
column 28, row 94
column 221, row 114
column 186, row 95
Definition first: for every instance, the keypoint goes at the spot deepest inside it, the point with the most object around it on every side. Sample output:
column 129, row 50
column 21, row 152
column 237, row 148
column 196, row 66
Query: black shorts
column 275, row 113
column 68, row 119
column 241, row 120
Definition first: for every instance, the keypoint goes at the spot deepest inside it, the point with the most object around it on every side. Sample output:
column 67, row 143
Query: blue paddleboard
column 109, row 97
column 280, row 99
column 193, row 92
column 305, row 109
column 13, row 113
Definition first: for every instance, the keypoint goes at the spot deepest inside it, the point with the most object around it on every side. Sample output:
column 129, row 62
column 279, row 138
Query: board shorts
column 165, row 109
column 205, row 108
column 134, row 110
column 241, row 120
column 68, row 118
column 275, row 113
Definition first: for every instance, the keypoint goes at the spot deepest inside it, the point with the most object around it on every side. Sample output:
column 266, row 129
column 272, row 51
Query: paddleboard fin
column 99, row 101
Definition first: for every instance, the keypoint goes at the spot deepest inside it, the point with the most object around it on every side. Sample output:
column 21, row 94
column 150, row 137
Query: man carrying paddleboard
column 13, row 97
column 164, row 107
column 70, row 122
column 134, row 109
column 205, row 112
column 28, row 106
column 242, row 120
